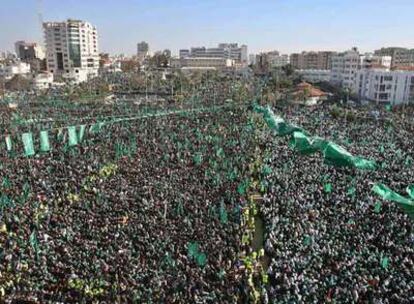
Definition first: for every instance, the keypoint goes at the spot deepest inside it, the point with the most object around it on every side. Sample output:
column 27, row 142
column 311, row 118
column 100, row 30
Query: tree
column 129, row 66
column 18, row 83
column 288, row 69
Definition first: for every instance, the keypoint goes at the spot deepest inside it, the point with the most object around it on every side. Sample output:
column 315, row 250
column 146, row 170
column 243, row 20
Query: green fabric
column 377, row 207
column 201, row 259
column 192, row 249
column 387, row 194
column 278, row 124
column 223, row 214
column 198, row 158
column 410, row 191
column 327, row 188
column 193, row 252
column 9, row 143
column 44, row 141
column 307, row 145
column 81, row 132
column 27, row 139
column 337, row 156
column 385, row 262
column 73, row 137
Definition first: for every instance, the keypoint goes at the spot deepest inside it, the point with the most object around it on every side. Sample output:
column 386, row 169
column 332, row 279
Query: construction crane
column 39, row 12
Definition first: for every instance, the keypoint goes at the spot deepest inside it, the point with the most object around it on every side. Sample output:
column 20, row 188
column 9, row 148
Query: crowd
column 113, row 218
column 329, row 237
column 155, row 210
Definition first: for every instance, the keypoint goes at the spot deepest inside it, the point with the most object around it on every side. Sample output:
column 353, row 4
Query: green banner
column 44, row 141
column 387, row 194
column 28, row 146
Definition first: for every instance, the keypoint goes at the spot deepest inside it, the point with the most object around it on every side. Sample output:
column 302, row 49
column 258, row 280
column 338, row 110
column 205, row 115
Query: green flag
column 338, row 156
column 44, row 141
column 73, row 137
column 81, row 132
column 387, row 194
column 8, row 143
column 27, row 139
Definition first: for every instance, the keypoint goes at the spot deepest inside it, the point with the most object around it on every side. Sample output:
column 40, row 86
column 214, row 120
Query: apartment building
column 230, row 51
column 311, row 60
column 72, row 49
column 206, row 63
column 344, row 68
column 314, row 76
column 27, row 51
column 142, row 50
column 384, row 86
column 401, row 57
column 10, row 69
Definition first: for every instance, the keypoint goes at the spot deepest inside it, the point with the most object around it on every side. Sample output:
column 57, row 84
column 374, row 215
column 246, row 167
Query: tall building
column 142, row 50
column 384, row 86
column 401, row 57
column 72, row 49
column 311, row 60
column 26, row 51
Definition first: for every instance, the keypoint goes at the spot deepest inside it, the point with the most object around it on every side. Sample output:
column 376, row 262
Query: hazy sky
column 284, row 25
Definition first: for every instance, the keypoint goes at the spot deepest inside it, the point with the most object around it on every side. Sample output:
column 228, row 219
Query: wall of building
column 384, row 86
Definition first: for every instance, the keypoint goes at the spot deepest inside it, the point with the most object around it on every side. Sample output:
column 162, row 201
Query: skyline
column 286, row 26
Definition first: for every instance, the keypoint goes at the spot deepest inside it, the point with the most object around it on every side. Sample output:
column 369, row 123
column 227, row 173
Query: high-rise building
column 142, row 50
column 72, row 49
column 311, row 60
column 26, row 51
column 401, row 57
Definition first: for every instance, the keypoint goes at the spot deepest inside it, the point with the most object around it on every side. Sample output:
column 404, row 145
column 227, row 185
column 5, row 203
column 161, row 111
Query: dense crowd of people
column 329, row 237
column 112, row 219
column 153, row 210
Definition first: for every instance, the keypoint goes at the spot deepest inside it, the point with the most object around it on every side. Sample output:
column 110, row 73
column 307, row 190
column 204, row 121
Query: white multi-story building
column 223, row 50
column 346, row 65
column 200, row 63
column 315, row 76
column 72, row 49
column 370, row 60
column 277, row 60
column 384, row 86
column 7, row 71
column 344, row 68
